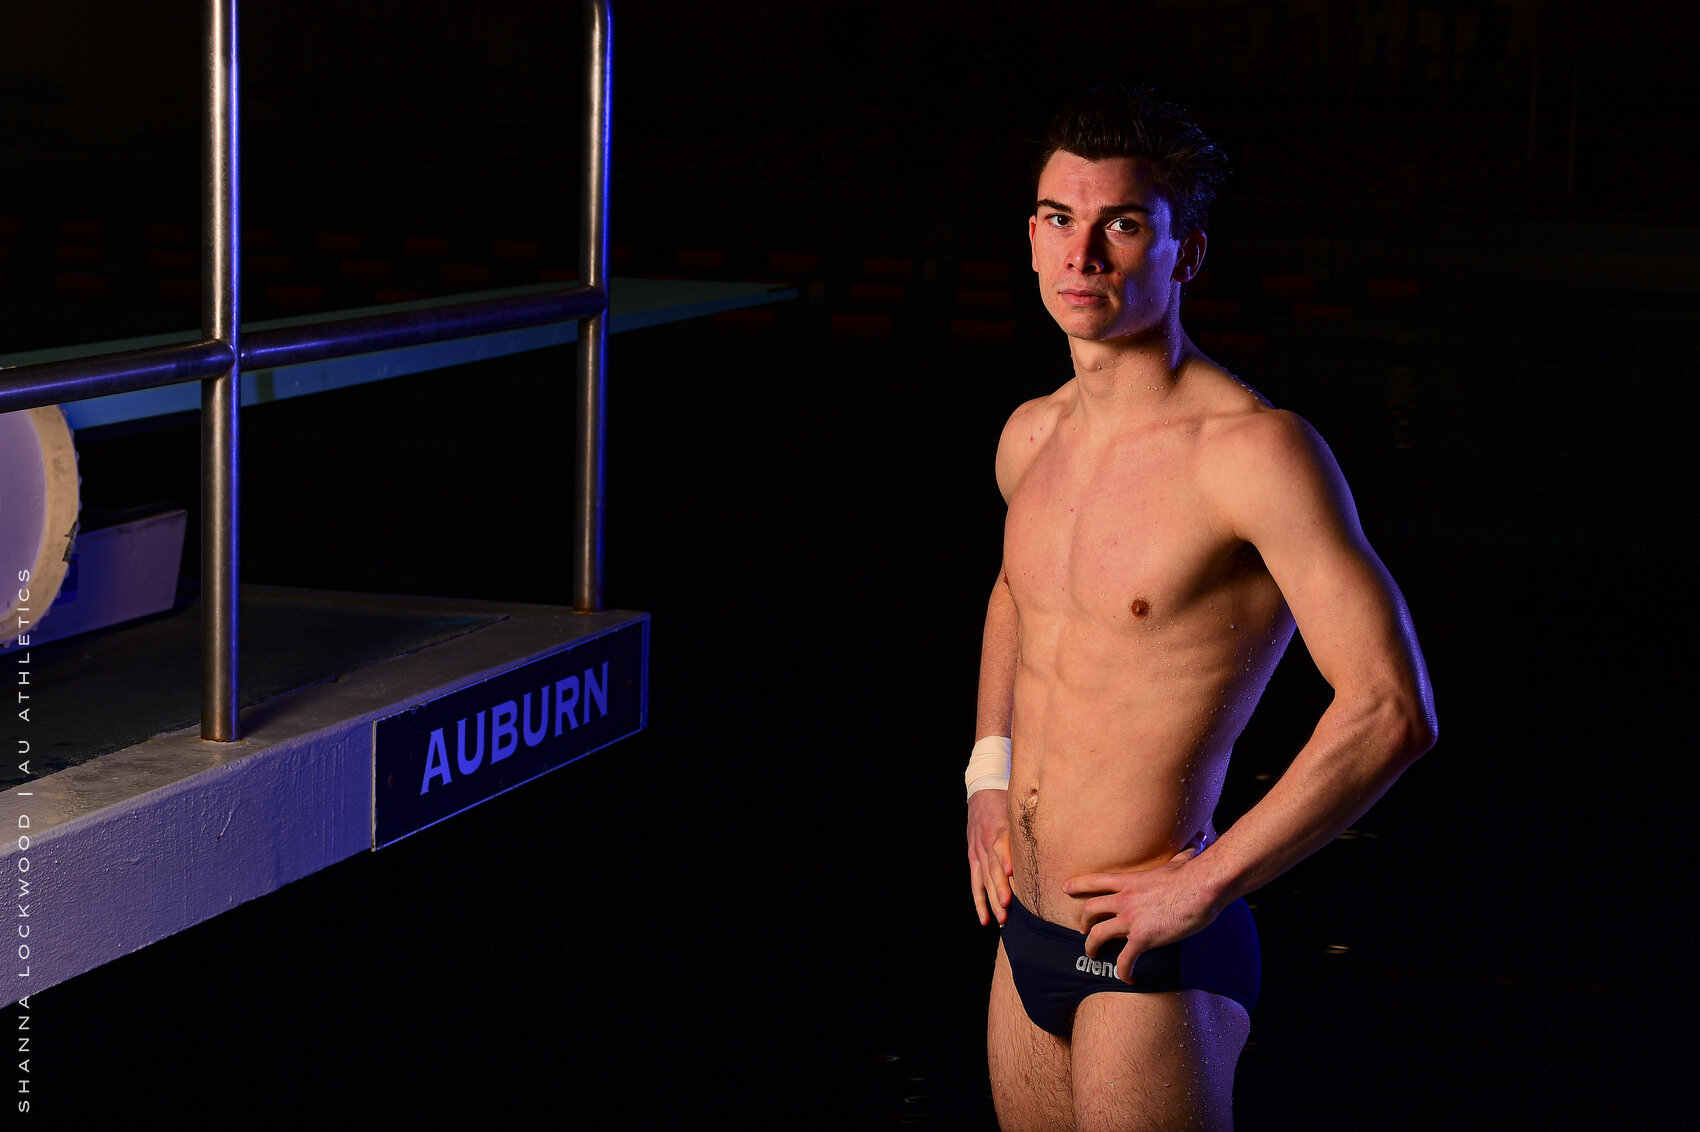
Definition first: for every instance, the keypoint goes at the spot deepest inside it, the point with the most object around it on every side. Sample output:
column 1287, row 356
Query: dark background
column 1460, row 241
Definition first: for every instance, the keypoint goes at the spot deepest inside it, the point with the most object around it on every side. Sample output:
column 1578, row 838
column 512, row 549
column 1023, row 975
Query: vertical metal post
column 221, row 397
column 593, row 332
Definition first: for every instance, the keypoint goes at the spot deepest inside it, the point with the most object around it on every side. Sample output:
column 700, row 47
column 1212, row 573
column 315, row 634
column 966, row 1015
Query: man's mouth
column 1075, row 297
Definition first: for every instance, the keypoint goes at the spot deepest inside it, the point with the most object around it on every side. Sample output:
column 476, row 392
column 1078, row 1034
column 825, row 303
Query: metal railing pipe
column 219, row 359
column 593, row 334
column 78, row 379
column 320, row 341
column 221, row 396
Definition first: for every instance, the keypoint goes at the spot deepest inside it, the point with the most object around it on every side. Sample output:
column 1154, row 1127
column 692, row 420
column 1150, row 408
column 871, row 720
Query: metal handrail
column 223, row 353
column 78, row 379
column 320, row 341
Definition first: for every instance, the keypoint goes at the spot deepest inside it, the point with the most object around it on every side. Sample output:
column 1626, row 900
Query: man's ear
column 1191, row 257
column 1033, row 254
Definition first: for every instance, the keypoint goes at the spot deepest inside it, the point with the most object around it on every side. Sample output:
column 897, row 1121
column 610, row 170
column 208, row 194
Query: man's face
column 1108, row 261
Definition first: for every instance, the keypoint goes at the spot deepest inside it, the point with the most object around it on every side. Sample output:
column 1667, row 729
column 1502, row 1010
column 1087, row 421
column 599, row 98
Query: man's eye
column 1057, row 220
column 1124, row 224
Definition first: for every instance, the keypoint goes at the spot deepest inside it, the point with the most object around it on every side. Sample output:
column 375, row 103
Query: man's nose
column 1084, row 256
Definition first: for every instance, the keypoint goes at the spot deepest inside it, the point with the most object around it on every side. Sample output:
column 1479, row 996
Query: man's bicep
column 1299, row 514
column 1353, row 619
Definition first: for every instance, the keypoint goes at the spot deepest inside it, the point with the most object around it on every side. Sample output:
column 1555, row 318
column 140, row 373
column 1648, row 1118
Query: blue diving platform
column 364, row 717
column 150, row 836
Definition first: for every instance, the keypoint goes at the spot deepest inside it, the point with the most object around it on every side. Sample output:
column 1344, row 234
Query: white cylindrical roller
column 38, row 514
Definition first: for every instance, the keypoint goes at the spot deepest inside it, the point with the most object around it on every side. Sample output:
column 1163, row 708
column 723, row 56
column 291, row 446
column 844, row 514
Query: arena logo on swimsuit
column 1093, row 966
column 509, row 724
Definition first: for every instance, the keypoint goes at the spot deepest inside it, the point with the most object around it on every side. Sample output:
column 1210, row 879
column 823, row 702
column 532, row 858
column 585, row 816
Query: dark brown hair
column 1113, row 120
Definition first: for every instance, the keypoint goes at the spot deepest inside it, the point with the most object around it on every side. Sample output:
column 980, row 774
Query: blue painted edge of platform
column 145, row 842
column 412, row 745
column 636, row 305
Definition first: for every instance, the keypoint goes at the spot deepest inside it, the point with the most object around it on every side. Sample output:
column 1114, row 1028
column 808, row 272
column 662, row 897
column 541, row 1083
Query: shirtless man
column 1167, row 529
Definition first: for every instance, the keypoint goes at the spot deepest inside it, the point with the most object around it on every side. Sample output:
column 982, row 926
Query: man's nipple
column 1139, row 607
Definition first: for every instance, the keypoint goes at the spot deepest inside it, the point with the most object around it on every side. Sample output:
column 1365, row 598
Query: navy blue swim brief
column 1052, row 972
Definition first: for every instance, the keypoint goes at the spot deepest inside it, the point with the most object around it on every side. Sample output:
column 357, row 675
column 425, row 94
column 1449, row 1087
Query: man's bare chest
column 1116, row 535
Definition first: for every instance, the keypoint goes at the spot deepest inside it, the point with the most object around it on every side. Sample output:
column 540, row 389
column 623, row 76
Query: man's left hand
column 1149, row 908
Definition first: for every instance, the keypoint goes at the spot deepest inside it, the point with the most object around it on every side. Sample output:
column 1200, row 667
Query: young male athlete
column 1167, row 529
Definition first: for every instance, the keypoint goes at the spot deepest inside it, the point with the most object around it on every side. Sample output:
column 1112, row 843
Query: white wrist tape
column 988, row 765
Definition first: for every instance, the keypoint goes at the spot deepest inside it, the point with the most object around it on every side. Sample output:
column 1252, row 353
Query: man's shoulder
column 1269, row 461
column 1027, row 430
column 1040, row 410
column 1261, row 435
column 1237, row 422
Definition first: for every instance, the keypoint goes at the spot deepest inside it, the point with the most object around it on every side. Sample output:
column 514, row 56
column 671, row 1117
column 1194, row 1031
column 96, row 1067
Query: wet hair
column 1112, row 120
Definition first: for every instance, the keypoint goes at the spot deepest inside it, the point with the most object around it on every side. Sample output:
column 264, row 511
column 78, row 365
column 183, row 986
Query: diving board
column 351, row 721
column 144, row 837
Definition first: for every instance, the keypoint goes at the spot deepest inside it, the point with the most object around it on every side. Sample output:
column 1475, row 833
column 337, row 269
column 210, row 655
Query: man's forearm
column 997, row 665
column 1360, row 746
column 988, row 815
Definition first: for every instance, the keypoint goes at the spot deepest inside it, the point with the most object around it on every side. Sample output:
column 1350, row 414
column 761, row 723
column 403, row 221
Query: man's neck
column 1125, row 383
